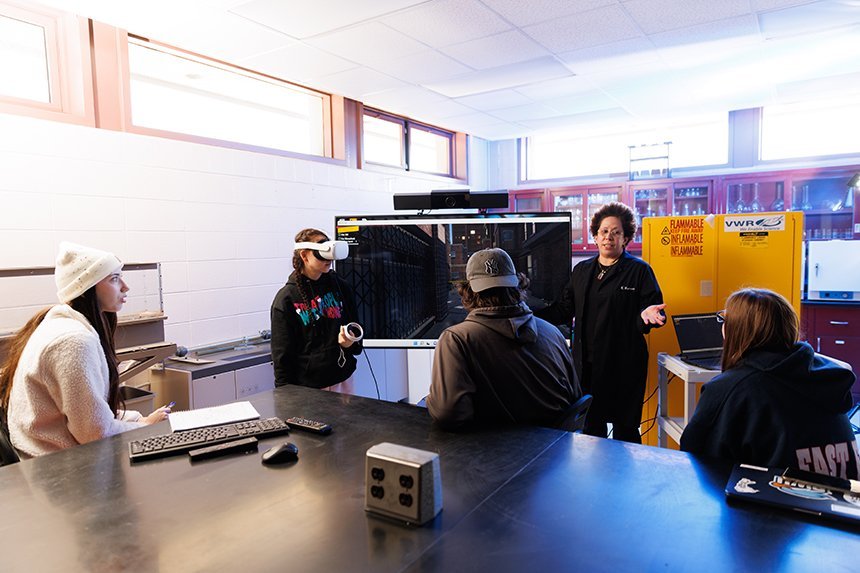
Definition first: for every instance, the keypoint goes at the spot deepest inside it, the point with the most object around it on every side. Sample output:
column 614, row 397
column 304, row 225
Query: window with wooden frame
column 45, row 68
column 399, row 142
column 183, row 93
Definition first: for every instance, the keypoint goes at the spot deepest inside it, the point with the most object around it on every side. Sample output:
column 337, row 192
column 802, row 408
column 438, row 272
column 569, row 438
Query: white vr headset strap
column 332, row 250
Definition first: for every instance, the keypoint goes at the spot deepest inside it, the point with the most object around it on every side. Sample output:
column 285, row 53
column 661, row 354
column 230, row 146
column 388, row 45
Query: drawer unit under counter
column 202, row 386
column 834, row 330
column 836, row 321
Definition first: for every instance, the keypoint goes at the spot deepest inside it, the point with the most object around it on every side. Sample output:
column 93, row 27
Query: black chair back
column 8, row 455
column 573, row 419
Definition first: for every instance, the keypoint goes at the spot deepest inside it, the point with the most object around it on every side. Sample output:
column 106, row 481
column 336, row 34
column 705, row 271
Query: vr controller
column 327, row 250
column 353, row 331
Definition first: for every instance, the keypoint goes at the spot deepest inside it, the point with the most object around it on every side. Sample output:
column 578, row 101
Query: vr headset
column 326, row 250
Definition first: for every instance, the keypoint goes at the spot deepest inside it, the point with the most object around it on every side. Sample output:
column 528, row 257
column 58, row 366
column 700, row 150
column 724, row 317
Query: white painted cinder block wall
column 220, row 221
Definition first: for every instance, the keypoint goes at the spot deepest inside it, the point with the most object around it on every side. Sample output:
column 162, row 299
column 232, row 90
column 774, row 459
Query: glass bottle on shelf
column 755, row 206
column 778, row 202
column 740, row 206
column 805, row 205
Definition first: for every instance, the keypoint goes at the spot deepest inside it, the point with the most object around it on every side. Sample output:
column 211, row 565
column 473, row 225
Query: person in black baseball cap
column 501, row 365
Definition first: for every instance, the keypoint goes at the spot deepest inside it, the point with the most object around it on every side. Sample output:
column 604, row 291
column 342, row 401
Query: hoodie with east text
column 779, row 409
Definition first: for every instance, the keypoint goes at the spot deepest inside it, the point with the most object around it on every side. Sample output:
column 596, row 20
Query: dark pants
column 596, row 421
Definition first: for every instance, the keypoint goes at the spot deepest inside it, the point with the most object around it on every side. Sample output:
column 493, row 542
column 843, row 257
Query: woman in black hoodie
column 309, row 343
column 777, row 403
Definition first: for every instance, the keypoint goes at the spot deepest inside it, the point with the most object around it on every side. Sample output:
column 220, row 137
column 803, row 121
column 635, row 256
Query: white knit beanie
column 79, row 268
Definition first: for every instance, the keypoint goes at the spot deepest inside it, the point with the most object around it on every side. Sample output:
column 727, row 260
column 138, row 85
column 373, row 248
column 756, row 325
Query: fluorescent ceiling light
column 509, row 76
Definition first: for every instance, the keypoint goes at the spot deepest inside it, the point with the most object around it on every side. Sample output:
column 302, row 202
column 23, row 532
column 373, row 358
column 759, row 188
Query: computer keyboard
column 175, row 443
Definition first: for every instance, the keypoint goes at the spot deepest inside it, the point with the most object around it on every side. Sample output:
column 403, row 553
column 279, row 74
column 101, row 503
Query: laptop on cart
column 700, row 338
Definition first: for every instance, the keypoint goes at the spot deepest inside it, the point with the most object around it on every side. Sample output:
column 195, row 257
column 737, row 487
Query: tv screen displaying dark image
column 404, row 269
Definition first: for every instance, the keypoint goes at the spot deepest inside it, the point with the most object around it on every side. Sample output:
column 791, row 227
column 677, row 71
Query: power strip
column 403, row 483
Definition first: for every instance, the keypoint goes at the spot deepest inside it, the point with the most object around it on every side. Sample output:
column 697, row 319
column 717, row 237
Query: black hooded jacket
column 501, row 365
column 305, row 350
column 779, row 409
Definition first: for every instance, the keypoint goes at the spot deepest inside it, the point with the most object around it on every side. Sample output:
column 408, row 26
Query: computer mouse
column 282, row 453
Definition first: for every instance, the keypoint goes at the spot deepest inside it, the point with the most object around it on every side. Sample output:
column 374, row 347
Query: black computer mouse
column 286, row 452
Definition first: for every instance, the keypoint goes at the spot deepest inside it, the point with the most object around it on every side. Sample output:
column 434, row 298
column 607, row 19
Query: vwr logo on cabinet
column 753, row 223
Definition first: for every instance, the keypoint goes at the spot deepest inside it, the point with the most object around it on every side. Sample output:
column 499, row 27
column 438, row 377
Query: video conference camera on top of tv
column 451, row 199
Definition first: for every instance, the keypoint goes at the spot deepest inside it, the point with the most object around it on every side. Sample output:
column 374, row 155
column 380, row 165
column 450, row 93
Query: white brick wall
column 221, row 221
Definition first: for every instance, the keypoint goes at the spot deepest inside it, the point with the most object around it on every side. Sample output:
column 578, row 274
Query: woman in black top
column 309, row 344
column 615, row 300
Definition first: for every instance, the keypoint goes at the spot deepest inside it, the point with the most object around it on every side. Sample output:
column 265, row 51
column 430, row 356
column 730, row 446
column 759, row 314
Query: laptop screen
column 698, row 332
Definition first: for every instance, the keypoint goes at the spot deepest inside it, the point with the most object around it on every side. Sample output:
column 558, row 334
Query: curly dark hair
column 497, row 296
column 624, row 213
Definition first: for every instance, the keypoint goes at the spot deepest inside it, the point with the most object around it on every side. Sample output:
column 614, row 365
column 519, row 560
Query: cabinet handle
column 839, row 322
column 818, row 344
column 839, row 341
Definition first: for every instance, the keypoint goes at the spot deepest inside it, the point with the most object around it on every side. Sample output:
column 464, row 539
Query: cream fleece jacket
column 60, row 389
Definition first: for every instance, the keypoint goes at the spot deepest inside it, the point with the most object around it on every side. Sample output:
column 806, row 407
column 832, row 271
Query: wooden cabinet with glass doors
column 529, row 201
column 827, row 202
column 658, row 199
column 583, row 203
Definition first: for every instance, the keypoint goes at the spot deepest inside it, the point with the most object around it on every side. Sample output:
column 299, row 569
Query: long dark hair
column 15, row 347
column 104, row 324
column 305, row 236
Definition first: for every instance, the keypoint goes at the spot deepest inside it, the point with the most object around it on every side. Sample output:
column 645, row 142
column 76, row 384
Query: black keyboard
column 165, row 445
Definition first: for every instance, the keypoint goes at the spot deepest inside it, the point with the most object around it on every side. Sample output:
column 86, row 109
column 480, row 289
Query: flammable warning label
column 686, row 237
column 754, row 239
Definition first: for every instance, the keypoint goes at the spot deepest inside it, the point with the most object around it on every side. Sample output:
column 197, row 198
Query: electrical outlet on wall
column 403, row 482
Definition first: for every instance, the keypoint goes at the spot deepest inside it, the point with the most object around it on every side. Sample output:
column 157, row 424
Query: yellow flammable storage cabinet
column 700, row 260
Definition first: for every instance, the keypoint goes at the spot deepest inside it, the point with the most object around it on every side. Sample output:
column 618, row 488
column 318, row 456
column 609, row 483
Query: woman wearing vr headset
column 310, row 343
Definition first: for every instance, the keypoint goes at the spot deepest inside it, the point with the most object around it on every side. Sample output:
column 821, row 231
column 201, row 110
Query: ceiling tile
column 298, row 62
column 601, row 26
column 623, row 54
column 523, row 13
column 223, row 36
column 511, row 75
column 739, row 30
column 446, row 109
column 809, row 18
column 578, row 103
column 827, row 87
column 427, row 66
column 303, row 19
column 367, row 43
column 496, row 50
column 762, row 5
column 661, row 15
column 475, row 119
column 556, row 88
column 445, row 22
column 500, row 131
column 602, row 119
column 407, row 97
column 358, row 82
column 525, row 112
column 495, row 100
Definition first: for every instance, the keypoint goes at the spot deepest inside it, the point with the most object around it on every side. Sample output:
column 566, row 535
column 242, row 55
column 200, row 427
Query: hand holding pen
column 158, row 415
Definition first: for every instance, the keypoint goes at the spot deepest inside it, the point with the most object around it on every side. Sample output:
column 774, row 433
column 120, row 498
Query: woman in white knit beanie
column 59, row 386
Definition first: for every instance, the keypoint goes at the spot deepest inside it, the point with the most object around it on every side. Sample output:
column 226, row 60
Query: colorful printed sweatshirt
column 305, row 350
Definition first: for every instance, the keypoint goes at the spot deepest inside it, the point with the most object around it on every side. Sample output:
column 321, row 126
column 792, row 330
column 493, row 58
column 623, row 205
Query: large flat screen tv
column 403, row 268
